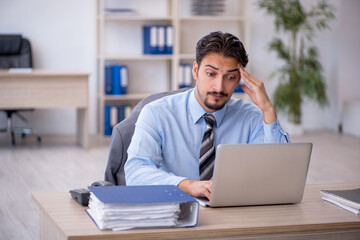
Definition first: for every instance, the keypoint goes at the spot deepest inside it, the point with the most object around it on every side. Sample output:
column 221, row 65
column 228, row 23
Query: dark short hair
column 224, row 43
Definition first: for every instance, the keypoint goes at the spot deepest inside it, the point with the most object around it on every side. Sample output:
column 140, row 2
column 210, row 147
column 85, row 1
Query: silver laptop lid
column 258, row 174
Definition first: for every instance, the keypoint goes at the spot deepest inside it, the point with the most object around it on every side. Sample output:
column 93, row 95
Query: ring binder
column 124, row 207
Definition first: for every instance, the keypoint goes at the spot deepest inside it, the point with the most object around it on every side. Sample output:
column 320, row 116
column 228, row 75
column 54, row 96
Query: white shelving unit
column 119, row 40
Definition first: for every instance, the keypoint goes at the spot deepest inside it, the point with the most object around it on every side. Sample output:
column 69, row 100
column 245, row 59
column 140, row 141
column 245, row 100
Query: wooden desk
column 62, row 218
column 48, row 89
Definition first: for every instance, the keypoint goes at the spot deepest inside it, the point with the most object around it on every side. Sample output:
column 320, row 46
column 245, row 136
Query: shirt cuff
column 174, row 180
column 274, row 133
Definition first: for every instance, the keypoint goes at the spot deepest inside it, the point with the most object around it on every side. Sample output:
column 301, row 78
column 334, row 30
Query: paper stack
column 347, row 199
column 208, row 7
column 125, row 207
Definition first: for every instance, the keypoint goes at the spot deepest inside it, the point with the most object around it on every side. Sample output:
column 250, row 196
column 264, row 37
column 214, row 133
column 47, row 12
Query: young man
column 167, row 146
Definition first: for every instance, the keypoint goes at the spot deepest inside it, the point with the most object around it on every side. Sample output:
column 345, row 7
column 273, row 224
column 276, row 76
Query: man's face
column 216, row 79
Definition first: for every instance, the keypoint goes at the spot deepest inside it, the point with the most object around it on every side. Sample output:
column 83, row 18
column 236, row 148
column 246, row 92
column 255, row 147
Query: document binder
column 169, row 40
column 161, row 40
column 158, row 39
column 124, row 79
column 119, row 79
column 120, row 113
column 150, row 39
column 115, row 79
column 238, row 88
column 185, row 77
column 123, row 207
column 114, row 114
column 107, row 126
column 108, row 87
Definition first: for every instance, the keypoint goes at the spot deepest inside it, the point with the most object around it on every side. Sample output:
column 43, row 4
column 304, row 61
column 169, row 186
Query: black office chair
column 15, row 52
column 121, row 137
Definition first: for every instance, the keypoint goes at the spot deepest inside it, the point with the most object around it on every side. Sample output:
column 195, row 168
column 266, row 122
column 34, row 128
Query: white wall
column 63, row 36
column 348, row 83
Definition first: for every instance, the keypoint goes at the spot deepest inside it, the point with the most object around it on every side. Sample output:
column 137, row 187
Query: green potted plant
column 301, row 75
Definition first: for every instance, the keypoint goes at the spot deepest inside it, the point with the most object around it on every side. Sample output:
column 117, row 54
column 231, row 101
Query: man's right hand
column 196, row 188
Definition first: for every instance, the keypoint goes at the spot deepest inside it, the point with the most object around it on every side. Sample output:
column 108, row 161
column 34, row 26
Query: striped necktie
column 207, row 151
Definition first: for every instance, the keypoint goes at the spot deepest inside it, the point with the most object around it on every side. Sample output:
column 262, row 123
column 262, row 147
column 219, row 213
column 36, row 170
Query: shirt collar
column 197, row 111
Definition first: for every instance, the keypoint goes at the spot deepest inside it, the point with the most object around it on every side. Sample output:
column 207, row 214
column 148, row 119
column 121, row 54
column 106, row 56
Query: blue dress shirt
column 165, row 147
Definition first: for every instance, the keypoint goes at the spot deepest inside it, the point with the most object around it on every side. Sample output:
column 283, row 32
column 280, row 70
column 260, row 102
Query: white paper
column 20, row 70
column 126, row 216
column 351, row 209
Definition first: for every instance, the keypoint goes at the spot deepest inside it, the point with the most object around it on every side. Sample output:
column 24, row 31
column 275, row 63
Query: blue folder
column 150, row 194
column 121, row 113
column 115, row 79
column 119, row 79
column 169, row 39
column 123, row 79
column 141, row 194
column 108, row 87
column 150, row 38
column 238, row 89
column 107, row 126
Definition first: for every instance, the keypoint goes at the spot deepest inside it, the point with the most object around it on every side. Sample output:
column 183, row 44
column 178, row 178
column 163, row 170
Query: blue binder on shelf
column 107, row 125
column 120, row 113
column 150, row 38
column 141, row 206
column 115, row 79
column 238, row 88
column 108, row 87
column 119, row 79
column 124, row 79
column 169, row 40
column 158, row 39
column 113, row 115
column 185, row 77
column 161, row 40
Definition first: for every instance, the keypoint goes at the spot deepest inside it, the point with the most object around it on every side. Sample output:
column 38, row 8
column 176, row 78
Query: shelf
column 126, row 98
column 135, row 18
column 138, row 58
column 213, row 18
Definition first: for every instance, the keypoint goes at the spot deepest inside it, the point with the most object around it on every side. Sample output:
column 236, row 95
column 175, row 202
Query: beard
column 217, row 105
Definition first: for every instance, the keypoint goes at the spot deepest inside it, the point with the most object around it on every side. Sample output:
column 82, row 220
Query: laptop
column 258, row 174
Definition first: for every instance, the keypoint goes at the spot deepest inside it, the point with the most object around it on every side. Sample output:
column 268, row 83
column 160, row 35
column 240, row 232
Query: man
column 167, row 144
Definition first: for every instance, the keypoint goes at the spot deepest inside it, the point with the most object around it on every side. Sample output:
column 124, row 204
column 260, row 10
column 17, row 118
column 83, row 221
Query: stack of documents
column 347, row 199
column 125, row 207
column 208, row 7
column 120, row 11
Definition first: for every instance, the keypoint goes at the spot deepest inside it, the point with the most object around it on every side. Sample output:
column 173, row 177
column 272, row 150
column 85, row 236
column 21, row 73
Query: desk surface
column 311, row 215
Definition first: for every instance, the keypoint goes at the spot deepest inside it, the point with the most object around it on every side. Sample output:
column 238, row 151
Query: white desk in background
column 48, row 89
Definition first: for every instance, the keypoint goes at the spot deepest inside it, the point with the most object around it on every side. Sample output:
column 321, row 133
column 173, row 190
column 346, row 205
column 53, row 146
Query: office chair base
column 22, row 131
column 18, row 130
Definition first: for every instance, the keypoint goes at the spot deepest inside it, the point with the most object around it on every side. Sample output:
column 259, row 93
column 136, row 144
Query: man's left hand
column 258, row 95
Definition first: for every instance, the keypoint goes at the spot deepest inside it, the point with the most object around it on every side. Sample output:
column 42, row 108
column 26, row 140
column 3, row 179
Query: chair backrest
column 15, row 52
column 121, row 138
